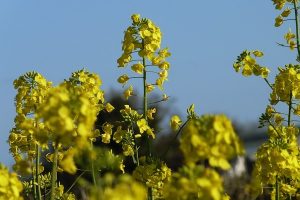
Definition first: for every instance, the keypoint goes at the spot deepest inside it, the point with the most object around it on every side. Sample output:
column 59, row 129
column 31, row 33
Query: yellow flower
column 128, row 92
column 123, row 79
column 135, row 18
column 278, row 21
column 247, row 71
column 109, row 108
column 10, row 186
column 143, row 125
column 149, row 88
column 138, row 68
column 258, row 53
column 286, row 12
column 150, row 112
column 175, row 122
column 107, row 128
column 67, row 163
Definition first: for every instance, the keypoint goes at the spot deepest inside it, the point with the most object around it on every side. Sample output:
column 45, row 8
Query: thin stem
column 274, row 128
column 277, row 188
column 37, row 172
column 290, row 109
column 266, row 80
column 150, row 196
column 135, row 77
column 76, row 180
column 92, row 166
column 145, row 99
column 289, row 19
column 174, row 139
column 33, row 181
column 297, row 27
column 54, row 173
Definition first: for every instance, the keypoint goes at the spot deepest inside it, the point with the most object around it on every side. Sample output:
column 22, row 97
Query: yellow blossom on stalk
column 144, row 127
column 123, row 79
column 119, row 188
column 107, row 128
column 154, row 176
column 150, row 113
column 279, row 4
column 67, row 122
column 67, row 162
column 119, row 134
column 109, row 108
column 138, row 68
column 128, row 92
column 195, row 182
column 135, row 18
column 142, row 40
column 88, row 83
column 10, row 186
column 249, row 66
column 278, row 157
column 258, row 53
column 212, row 138
column 127, row 150
column 149, row 88
column 165, row 97
column 175, row 122
column 286, row 12
column 278, row 21
column 124, row 60
column 164, row 65
column 32, row 90
column 287, row 83
column 290, row 39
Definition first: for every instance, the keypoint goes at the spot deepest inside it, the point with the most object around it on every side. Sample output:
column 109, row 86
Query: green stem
column 277, row 188
column 54, row 173
column 37, row 172
column 266, row 80
column 297, row 27
column 92, row 166
column 33, row 181
column 75, row 182
column 290, row 109
column 150, row 196
column 174, row 139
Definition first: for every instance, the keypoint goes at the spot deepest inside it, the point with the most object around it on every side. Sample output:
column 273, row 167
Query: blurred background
column 56, row 38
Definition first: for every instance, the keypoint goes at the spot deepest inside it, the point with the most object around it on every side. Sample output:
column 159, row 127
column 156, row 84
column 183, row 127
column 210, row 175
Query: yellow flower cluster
column 69, row 112
column 122, row 187
column 279, row 158
column 154, row 175
column 195, row 182
column 10, row 186
column 287, row 84
column 246, row 60
column 126, row 136
column 142, row 40
column 32, row 89
column 279, row 5
column 89, row 83
column 212, row 138
column 290, row 39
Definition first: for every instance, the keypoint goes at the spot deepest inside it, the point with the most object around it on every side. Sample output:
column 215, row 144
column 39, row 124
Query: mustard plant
column 277, row 160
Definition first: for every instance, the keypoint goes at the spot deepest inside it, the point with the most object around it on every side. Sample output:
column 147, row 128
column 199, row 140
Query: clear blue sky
column 57, row 37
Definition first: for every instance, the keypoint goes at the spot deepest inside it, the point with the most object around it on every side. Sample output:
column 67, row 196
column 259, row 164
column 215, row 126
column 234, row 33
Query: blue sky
column 56, row 38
